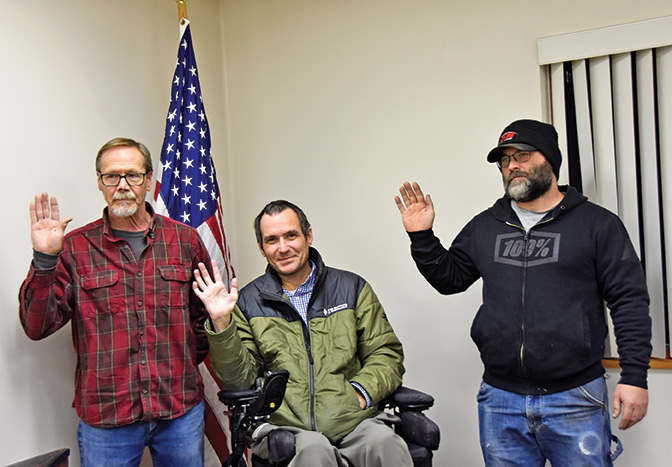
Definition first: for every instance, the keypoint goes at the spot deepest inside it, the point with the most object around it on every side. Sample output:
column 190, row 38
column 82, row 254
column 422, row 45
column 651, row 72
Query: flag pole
column 181, row 10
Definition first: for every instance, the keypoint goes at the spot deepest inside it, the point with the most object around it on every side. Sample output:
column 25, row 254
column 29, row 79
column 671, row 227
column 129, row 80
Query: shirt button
column 144, row 391
column 140, row 303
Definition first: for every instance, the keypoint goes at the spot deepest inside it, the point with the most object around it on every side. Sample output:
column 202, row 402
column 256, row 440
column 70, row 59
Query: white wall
column 330, row 104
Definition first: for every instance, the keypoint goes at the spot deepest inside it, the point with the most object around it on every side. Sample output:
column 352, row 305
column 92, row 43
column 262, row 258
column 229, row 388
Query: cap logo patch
column 507, row 136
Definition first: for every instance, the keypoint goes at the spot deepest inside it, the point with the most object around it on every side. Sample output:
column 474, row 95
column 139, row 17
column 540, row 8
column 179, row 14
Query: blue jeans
column 568, row 428
column 172, row 443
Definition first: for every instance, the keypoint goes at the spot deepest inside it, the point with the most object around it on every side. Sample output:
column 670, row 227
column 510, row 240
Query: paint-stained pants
column 568, row 428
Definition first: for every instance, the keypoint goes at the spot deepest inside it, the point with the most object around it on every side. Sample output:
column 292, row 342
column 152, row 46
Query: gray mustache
column 516, row 174
column 120, row 196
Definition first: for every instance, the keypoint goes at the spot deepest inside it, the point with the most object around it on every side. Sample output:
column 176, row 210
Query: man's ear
column 148, row 180
column 261, row 250
column 309, row 237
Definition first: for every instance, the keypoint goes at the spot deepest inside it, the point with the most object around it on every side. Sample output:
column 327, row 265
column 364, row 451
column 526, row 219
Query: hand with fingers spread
column 218, row 301
column 46, row 229
column 417, row 210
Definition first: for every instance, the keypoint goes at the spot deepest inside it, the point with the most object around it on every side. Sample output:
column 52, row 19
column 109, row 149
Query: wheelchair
column 247, row 408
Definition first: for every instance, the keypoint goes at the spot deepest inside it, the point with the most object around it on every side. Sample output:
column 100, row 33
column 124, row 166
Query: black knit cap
column 530, row 135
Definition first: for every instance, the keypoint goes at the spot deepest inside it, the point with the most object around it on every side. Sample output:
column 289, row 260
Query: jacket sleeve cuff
column 425, row 246
column 359, row 388
column 421, row 236
column 633, row 377
column 223, row 335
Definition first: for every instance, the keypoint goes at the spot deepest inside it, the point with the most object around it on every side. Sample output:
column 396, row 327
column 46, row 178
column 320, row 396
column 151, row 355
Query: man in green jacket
column 327, row 327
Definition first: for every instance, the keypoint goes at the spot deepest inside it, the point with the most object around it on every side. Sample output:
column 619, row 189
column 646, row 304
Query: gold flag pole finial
column 181, row 10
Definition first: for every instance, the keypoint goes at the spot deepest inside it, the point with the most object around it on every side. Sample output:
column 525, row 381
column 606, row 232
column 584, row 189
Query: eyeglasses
column 520, row 156
column 132, row 179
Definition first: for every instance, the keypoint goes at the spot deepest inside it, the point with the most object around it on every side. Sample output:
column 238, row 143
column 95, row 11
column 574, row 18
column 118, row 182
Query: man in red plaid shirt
column 124, row 281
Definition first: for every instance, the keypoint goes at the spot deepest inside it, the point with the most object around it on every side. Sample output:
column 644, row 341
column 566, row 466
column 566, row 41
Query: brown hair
column 126, row 142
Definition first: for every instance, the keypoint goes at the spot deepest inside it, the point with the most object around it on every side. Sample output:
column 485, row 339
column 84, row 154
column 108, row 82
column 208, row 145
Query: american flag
column 187, row 191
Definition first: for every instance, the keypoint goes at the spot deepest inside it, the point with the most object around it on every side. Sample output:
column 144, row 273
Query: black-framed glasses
column 132, row 179
column 520, row 156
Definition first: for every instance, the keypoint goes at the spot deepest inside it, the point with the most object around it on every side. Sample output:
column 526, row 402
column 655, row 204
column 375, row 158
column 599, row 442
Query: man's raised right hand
column 417, row 210
column 46, row 228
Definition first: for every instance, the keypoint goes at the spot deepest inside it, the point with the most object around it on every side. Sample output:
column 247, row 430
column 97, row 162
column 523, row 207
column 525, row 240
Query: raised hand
column 218, row 301
column 46, row 228
column 417, row 210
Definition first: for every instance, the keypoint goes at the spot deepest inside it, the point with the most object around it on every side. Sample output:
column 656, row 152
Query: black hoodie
column 541, row 328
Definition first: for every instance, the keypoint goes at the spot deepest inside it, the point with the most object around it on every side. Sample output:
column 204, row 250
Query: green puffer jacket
column 348, row 339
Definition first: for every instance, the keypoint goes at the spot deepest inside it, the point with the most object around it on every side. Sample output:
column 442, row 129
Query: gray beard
column 535, row 184
column 124, row 211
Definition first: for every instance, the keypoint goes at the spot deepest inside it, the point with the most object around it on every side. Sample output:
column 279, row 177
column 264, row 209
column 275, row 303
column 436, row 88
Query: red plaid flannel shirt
column 137, row 326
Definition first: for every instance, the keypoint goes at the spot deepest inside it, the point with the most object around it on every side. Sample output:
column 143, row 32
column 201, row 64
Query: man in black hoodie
column 549, row 260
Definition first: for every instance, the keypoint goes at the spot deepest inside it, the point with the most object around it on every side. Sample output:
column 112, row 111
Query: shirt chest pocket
column 174, row 286
column 101, row 292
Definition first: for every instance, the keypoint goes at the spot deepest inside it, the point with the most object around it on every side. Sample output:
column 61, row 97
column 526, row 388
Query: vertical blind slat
column 558, row 111
column 603, row 149
column 584, row 129
column 603, row 133
column 664, row 72
column 624, row 142
column 650, row 199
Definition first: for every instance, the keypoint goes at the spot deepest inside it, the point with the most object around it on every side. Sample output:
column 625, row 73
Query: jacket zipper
column 526, row 239
column 308, row 346
column 521, row 351
column 522, row 299
column 311, row 363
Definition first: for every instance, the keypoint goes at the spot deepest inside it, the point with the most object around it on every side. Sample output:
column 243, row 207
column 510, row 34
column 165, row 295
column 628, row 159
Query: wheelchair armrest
column 261, row 400
column 235, row 398
column 417, row 428
column 405, row 399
